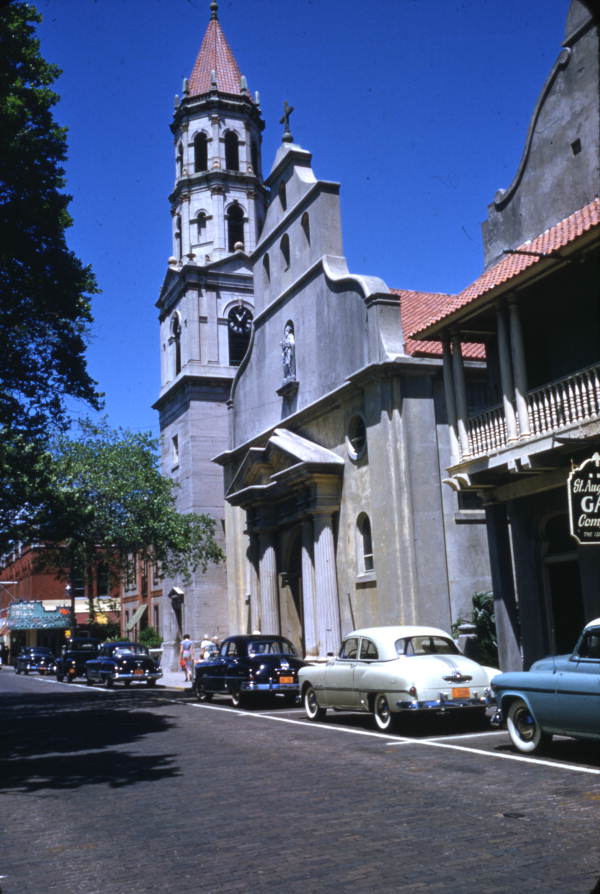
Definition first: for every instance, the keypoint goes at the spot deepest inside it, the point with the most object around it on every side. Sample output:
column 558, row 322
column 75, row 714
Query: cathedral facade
column 293, row 409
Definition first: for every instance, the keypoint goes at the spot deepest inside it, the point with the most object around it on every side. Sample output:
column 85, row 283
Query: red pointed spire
column 215, row 60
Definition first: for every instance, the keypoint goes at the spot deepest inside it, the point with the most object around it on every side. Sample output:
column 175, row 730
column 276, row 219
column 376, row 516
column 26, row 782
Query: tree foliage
column 45, row 289
column 108, row 501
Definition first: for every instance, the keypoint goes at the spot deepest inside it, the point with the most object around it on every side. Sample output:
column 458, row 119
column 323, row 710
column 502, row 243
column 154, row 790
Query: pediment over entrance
column 286, row 460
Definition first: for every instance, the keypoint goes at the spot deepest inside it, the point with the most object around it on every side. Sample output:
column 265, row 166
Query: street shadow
column 54, row 742
column 114, row 768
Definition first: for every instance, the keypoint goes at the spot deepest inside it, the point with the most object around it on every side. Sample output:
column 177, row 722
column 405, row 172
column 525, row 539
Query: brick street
column 147, row 791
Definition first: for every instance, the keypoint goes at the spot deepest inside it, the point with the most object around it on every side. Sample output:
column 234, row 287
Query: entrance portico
column 291, row 490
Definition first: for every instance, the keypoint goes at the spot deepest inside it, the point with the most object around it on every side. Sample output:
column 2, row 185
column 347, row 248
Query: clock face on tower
column 240, row 320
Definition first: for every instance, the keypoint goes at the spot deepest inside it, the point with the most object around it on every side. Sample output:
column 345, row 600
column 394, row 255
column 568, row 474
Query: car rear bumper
column 154, row 675
column 446, row 704
column 249, row 686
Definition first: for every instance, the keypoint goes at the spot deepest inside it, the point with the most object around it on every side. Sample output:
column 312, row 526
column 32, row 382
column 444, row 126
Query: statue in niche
column 288, row 353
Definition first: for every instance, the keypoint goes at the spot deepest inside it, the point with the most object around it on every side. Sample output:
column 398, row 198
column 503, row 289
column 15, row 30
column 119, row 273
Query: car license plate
column 286, row 679
column 139, row 672
column 461, row 692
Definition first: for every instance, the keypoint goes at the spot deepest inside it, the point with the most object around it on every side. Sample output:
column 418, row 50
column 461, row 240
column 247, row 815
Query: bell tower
column 206, row 305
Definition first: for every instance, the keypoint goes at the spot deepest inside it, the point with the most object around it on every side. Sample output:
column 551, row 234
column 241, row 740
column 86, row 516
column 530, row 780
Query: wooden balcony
column 559, row 405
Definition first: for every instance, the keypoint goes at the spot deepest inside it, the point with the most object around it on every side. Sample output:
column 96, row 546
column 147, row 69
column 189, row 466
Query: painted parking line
column 403, row 740
column 521, row 758
column 85, row 686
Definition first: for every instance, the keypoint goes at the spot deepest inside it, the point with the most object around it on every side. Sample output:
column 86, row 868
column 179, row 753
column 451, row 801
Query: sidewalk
column 174, row 680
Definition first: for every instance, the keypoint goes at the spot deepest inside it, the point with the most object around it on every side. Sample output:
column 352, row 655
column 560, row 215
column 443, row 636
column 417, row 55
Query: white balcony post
column 519, row 368
column 460, row 391
column 506, row 379
column 450, row 405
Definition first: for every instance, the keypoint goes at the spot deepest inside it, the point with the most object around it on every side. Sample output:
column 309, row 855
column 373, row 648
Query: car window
column 229, row 649
column 275, row 646
column 349, row 648
column 368, row 649
column 426, row 645
column 589, row 647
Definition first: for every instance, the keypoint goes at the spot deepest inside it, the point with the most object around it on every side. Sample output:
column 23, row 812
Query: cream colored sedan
column 389, row 671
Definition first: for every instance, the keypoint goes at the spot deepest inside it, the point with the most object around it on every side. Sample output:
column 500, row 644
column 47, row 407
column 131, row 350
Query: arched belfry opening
column 232, row 151
column 235, row 226
column 200, row 152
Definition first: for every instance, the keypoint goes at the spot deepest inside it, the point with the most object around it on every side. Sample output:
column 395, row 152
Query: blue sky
column 419, row 108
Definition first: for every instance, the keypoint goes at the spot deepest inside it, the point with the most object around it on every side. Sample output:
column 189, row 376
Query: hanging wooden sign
column 584, row 501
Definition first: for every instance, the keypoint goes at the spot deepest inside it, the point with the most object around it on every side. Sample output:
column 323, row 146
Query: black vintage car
column 35, row 659
column 122, row 662
column 71, row 663
column 250, row 666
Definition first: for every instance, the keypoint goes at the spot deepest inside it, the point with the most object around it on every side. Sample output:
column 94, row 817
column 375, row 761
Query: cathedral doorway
column 564, row 598
column 290, row 592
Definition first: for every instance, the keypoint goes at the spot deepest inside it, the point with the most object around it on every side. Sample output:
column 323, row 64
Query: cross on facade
column 287, row 111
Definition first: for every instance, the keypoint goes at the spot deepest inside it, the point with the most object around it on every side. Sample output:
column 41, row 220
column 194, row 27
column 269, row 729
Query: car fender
column 508, row 696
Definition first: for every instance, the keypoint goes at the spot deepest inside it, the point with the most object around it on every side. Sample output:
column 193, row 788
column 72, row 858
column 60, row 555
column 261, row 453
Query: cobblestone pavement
column 146, row 791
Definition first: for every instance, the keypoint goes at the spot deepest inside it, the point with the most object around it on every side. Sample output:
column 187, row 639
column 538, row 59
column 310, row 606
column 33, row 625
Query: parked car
column 250, row 666
column 557, row 695
column 36, row 659
column 390, row 671
column 122, row 662
column 71, row 663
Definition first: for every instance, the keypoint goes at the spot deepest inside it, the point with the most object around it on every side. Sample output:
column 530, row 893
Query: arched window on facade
column 284, row 245
column 239, row 327
column 365, row 543
column 282, row 195
column 305, row 223
column 232, row 151
column 201, row 226
column 200, row 152
column 255, row 157
column 178, row 249
column 179, row 159
column 235, row 226
column 175, row 344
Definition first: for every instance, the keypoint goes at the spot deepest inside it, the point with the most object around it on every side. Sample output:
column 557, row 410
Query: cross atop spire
column 215, row 56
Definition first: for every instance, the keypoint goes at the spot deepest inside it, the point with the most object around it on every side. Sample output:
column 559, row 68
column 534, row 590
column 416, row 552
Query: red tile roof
column 416, row 308
column 215, row 55
column 551, row 240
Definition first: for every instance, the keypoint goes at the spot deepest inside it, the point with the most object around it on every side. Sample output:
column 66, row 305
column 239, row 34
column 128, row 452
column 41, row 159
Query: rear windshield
column 426, row 645
column 271, row 647
column 130, row 649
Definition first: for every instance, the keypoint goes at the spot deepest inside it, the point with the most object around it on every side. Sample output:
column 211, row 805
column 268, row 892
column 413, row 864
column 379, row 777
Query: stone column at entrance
column 505, row 604
column 311, row 646
column 269, row 609
column 327, row 604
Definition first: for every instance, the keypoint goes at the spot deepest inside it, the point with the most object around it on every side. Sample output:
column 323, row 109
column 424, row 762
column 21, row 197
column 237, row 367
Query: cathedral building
column 328, row 425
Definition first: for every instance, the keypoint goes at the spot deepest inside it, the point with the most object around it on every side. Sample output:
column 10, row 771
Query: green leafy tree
column 108, row 502
column 45, row 289
column 150, row 637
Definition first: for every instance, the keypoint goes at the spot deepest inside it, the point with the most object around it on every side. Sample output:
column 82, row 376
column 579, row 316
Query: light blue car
column 557, row 695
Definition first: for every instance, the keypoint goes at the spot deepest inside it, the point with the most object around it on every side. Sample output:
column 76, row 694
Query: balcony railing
column 558, row 405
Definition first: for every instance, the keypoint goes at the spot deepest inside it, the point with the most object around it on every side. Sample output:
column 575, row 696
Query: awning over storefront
column 134, row 619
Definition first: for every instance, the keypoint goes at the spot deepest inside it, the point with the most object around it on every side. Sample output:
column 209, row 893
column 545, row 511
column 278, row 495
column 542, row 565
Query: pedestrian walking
column 186, row 657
